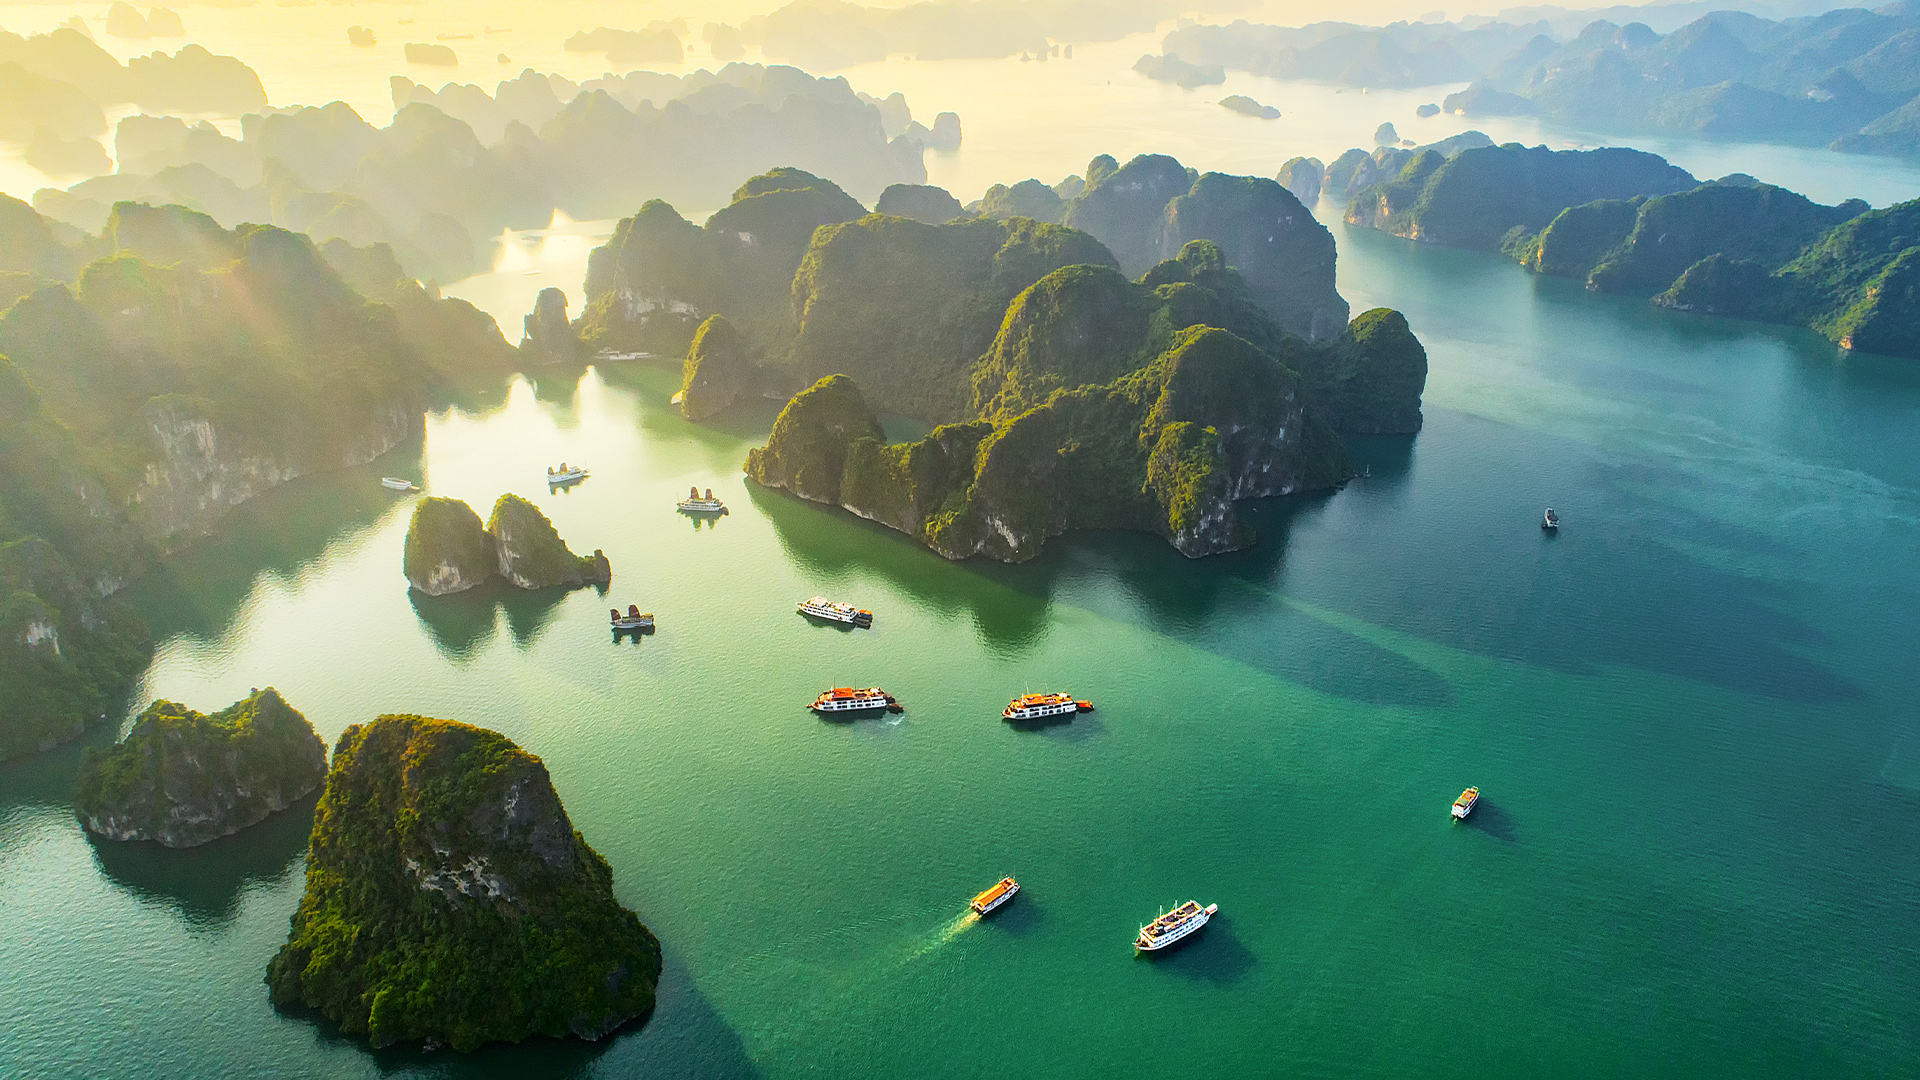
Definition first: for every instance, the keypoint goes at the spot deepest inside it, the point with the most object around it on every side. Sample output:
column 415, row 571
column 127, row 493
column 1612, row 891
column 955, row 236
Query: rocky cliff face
column 548, row 337
column 450, row 900
column 197, row 473
column 1285, row 256
column 717, row 369
column 448, row 550
column 660, row 275
column 1167, row 449
column 531, row 553
column 1124, row 209
column 181, row 778
column 66, row 655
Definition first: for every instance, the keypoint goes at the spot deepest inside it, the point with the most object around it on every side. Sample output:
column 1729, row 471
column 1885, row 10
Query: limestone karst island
column 772, row 539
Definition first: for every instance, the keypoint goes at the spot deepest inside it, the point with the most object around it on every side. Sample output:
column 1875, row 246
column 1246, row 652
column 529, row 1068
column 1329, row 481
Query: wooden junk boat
column 696, row 503
column 634, row 621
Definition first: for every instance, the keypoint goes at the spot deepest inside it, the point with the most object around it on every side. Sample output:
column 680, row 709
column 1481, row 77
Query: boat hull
column 702, row 507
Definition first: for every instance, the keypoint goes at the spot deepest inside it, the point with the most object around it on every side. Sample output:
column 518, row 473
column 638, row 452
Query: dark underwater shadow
column 829, row 544
column 1490, row 818
column 461, row 624
column 205, row 884
column 683, row 1037
column 1214, row 954
column 1224, row 604
column 199, row 590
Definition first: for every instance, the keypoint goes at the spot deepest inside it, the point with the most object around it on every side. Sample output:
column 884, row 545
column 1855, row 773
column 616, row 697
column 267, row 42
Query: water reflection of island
column 461, row 624
column 206, row 884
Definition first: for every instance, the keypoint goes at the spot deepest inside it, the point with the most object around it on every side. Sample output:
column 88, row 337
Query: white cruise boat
column 822, row 608
column 566, row 474
column 1174, row 925
column 846, row 699
column 696, row 503
column 1463, row 805
column 394, row 483
column 1041, row 706
column 1001, row 893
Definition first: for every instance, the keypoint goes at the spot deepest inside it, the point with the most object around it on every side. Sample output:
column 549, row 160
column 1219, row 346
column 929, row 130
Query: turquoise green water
column 1691, row 714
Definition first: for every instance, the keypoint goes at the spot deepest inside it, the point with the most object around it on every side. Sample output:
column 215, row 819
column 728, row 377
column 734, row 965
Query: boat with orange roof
column 1040, row 706
column 994, row 897
column 846, row 699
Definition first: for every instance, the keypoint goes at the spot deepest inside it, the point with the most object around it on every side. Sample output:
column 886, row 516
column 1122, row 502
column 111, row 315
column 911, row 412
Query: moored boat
column 1463, row 805
column 1174, row 925
column 395, row 483
column 696, row 503
column 994, row 897
column 566, row 474
column 846, row 699
column 1551, row 521
column 1040, row 706
column 821, row 608
column 634, row 621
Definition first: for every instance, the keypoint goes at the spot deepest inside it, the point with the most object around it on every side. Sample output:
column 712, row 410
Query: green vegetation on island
column 450, row 900
column 156, row 376
column 1734, row 247
column 182, row 778
column 1025, row 338
column 1108, row 403
column 717, row 369
column 448, row 550
column 67, row 657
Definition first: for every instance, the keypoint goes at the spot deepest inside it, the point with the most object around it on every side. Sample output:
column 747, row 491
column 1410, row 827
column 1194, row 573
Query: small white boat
column 394, row 483
column 634, row 621
column 1550, row 522
column 821, row 608
column 1174, row 925
column 696, row 503
column 566, row 474
column 994, row 897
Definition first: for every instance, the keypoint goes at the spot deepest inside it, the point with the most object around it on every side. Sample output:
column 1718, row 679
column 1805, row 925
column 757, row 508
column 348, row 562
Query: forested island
column 449, row 551
column 1175, row 346
column 182, row 778
column 153, row 377
column 1625, row 221
column 449, row 899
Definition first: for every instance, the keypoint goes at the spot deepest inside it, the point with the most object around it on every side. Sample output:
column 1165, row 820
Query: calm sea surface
column 1692, row 715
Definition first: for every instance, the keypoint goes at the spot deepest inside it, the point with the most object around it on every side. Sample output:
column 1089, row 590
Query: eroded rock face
column 1283, row 253
column 181, row 778
column 717, row 369
column 1123, row 209
column 447, row 550
column 444, row 868
column 531, row 553
column 549, row 335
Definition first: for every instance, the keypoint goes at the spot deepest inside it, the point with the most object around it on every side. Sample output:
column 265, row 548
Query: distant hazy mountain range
column 1847, row 77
